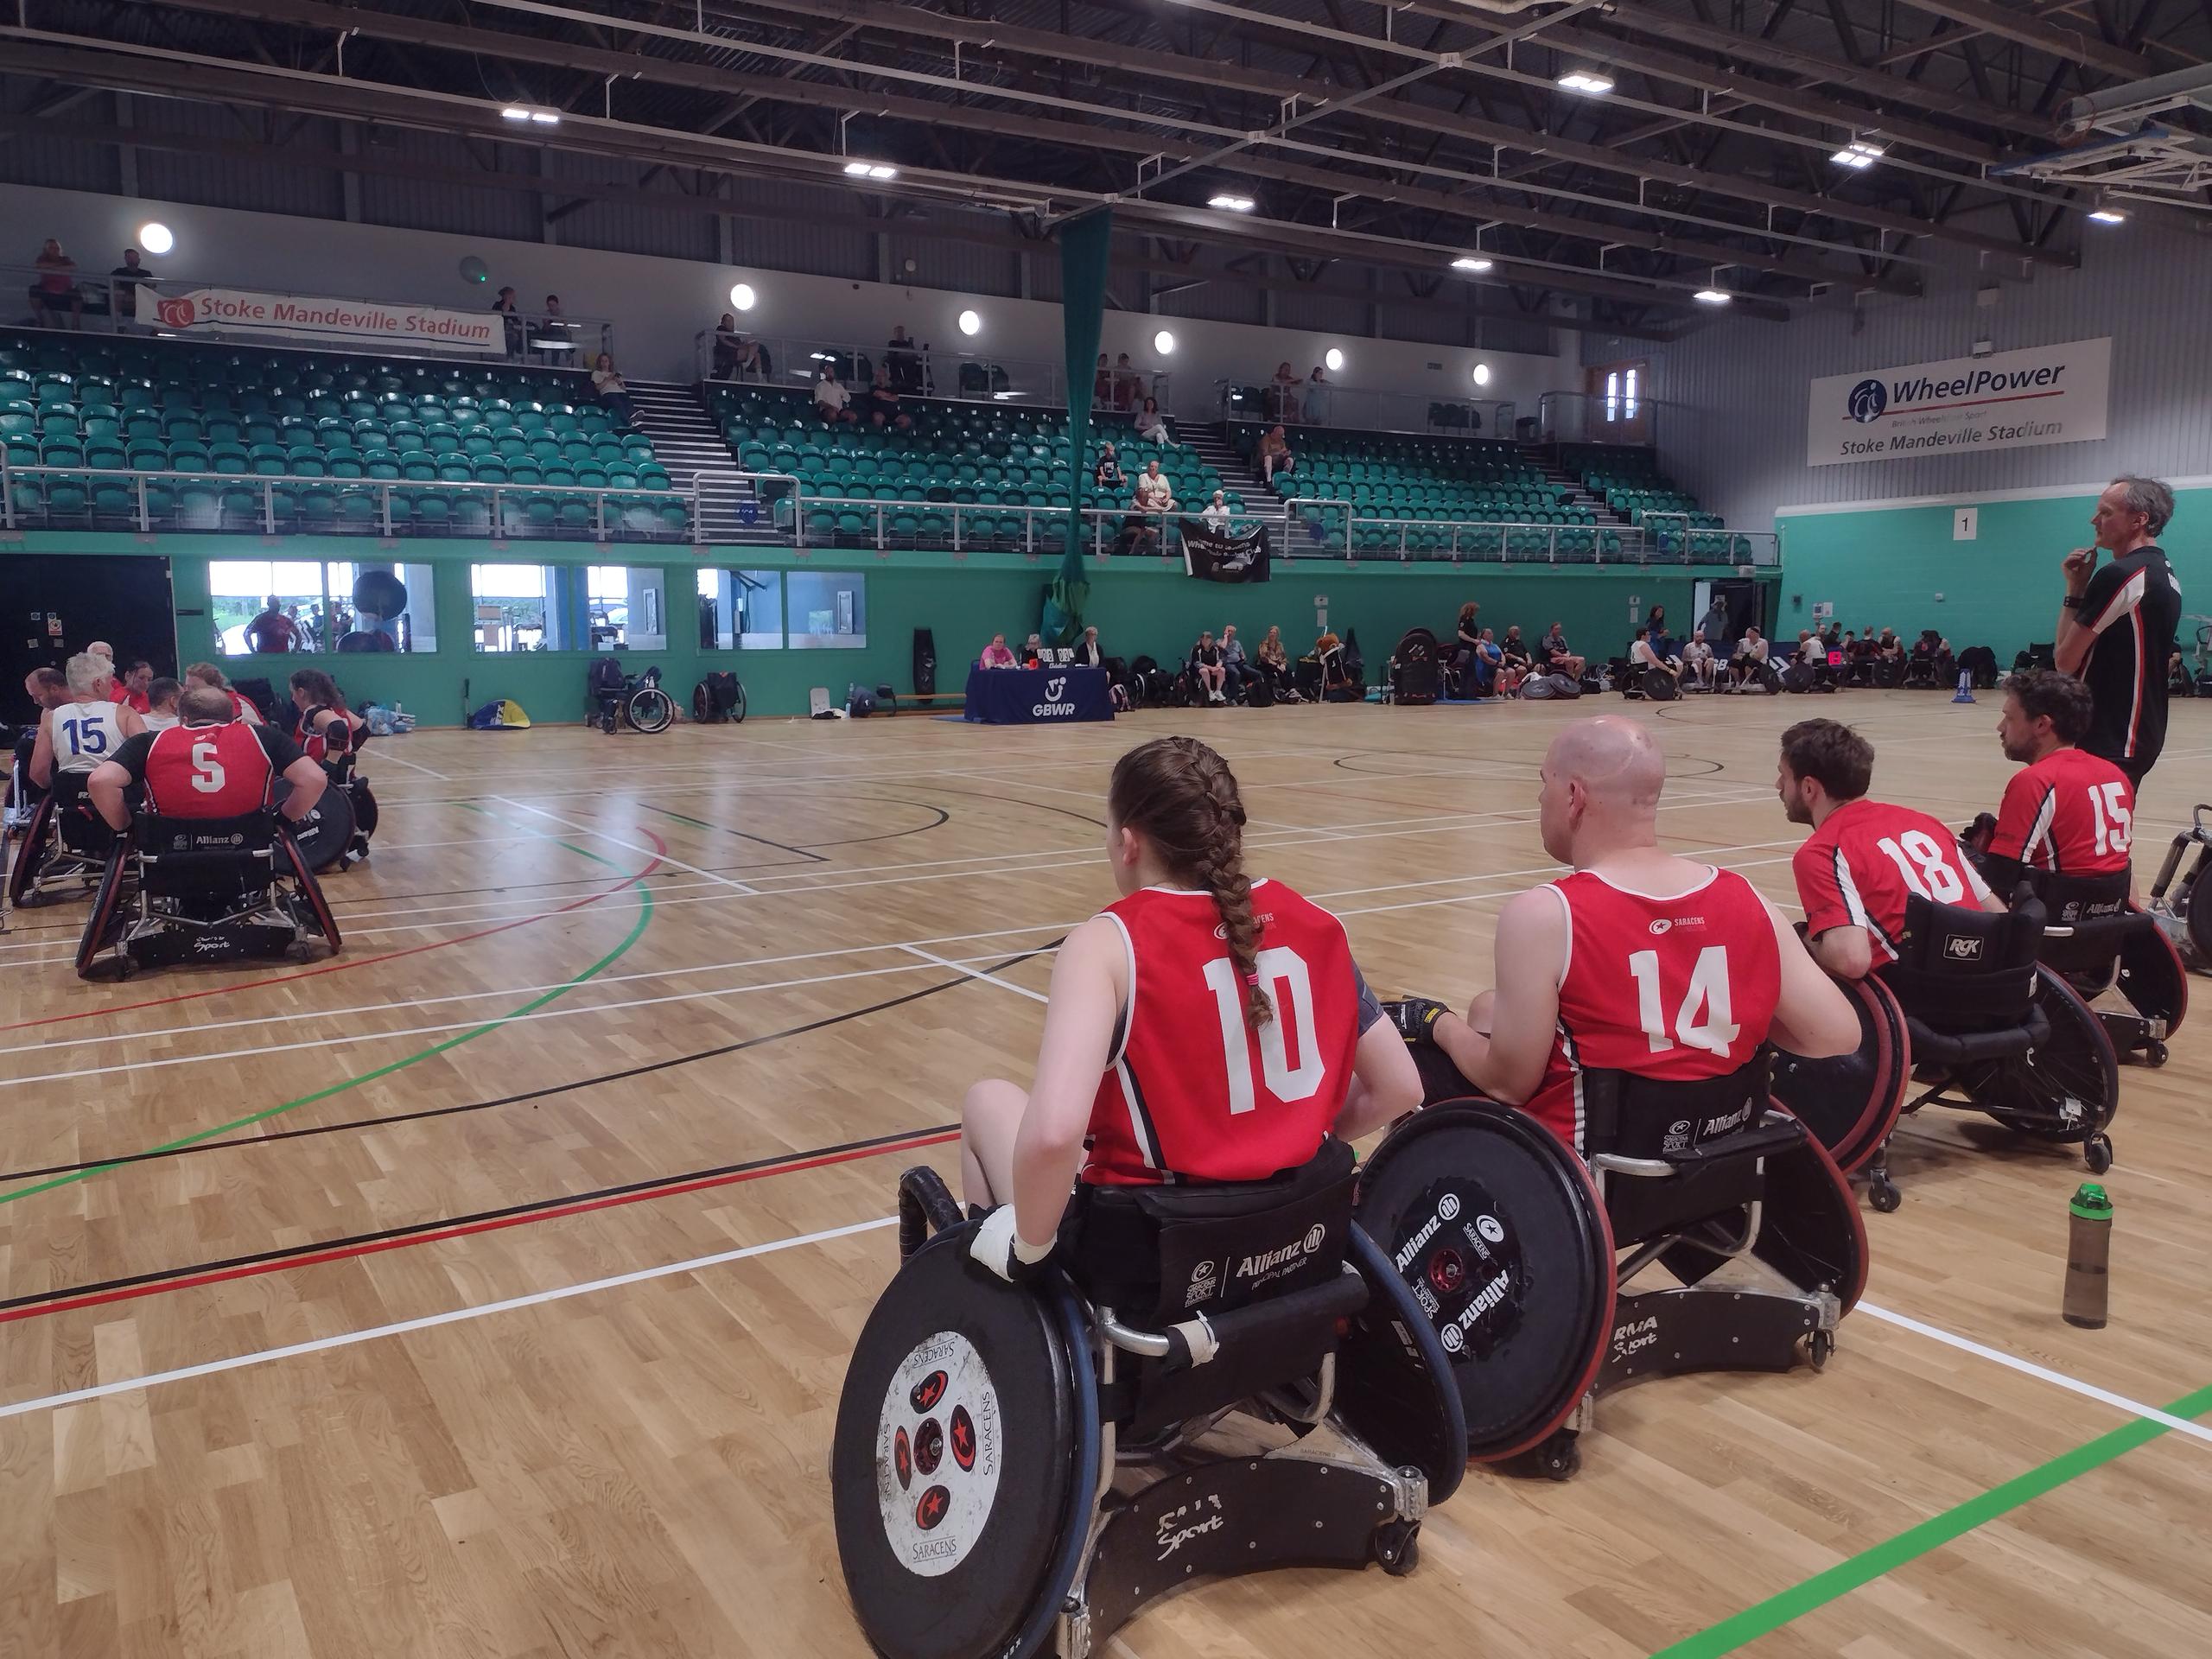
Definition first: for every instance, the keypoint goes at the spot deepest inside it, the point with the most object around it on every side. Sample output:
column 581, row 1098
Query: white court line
column 614, row 839
column 976, row 973
column 382, row 753
column 2042, row 1373
column 429, row 1322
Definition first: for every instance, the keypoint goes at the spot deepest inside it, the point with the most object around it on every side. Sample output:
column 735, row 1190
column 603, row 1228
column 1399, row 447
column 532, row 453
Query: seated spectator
column 883, row 410
column 1557, row 659
column 509, row 316
column 1810, row 651
column 1235, row 666
column 902, row 362
column 728, row 342
column 122, row 285
column 1313, row 406
column 996, row 655
column 1216, row 513
column 1282, row 394
column 1128, row 384
column 613, row 391
column 1087, row 652
column 1485, row 666
column 1273, row 661
column 1152, row 425
column 1274, row 454
column 1514, row 650
column 1139, row 535
column 1154, row 493
column 832, row 402
column 272, row 632
column 556, row 334
column 1108, row 473
column 54, row 294
column 1033, row 650
column 1751, row 653
column 208, row 675
column 1697, row 659
column 161, row 705
column 1205, row 662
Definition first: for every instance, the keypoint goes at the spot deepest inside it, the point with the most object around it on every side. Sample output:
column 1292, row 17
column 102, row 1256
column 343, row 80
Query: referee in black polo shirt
column 2116, row 627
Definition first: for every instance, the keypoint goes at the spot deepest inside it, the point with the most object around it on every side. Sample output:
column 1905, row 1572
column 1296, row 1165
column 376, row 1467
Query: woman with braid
column 1207, row 1026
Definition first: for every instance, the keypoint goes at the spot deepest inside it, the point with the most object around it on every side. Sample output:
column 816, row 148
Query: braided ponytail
column 1180, row 795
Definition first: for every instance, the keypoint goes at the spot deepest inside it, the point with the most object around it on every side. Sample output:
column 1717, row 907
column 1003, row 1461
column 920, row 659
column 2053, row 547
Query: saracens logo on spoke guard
column 935, row 1507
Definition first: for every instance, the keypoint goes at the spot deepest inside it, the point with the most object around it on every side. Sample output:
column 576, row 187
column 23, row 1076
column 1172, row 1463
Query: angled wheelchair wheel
column 1498, row 1234
column 365, row 807
column 1396, row 1387
column 2153, row 978
column 327, row 831
column 30, row 853
column 1810, row 1230
column 649, row 709
column 737, row 709
column 2068, row 1088
column 958, row 1474
column 1851, row 1102
column 96, row 958
column 309, row 890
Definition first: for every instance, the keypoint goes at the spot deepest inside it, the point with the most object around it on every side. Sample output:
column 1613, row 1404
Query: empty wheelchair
column 204, row 890
column 982, row 1425
column 1995, row 1030
column 1416, row 671
column 64, row 849
column 2186, row 926
column 1533, row 1266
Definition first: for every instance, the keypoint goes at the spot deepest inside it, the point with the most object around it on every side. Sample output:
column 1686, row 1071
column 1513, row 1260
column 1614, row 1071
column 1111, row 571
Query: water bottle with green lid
column 2089, row 1254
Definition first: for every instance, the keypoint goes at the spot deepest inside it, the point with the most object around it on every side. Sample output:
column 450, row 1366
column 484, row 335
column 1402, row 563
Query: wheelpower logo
column 2047, row 394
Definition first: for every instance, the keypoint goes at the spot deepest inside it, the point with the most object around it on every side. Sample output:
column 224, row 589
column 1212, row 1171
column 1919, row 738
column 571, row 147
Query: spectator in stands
column 1715, row 625
column 613, row 391
column 208, row 675
column 1128, row 384
column 1087, row 652
column 1274, row 454
column 1514, row 650
column 1313, row 408
column 1154, row 493
column 1102, row 384
column 1108, row 473
column 902, row 362
column 1216, row 513
column 1697, row 659
column 727, row 341
column 1152, row 425
column 831, row 401
column 1234, row 665
column 161, row 705
column 55, row 291
column 509, row 315
column 753, row 362
column 555, row 333
column 272, row 633
column 131, row 686
column 1558, row 660
column 1206, row 663
column 1282, row 394
column 1655, row 625
column 1272, row 663
column 1750, row 656
column 883, row 410
column 122, row 285
column 996, row 655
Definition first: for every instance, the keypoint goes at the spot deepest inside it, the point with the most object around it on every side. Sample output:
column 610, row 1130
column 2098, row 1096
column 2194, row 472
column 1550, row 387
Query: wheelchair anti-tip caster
column 2096, row 1152
column 2154, row 1053
column 1558, row 1455
column 1818, row 1347
column 1882, row 1192
column 1397, row 1548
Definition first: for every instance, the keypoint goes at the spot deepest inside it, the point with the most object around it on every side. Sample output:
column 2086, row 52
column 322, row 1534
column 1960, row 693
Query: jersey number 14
column 1707, row 995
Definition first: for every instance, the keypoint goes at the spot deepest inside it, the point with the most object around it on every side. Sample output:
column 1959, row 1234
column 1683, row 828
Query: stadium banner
column 2049, row 394
column 1216, row 556
column 231, row 310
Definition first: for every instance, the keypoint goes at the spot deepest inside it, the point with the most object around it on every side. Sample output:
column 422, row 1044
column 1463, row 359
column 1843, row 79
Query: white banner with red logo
column 232, row 310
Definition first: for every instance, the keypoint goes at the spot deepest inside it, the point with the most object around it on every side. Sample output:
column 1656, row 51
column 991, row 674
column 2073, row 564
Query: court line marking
column 432, row 1321
column 384, row 754
column 607, row 835
column 976, row 973
column 2042, row 1373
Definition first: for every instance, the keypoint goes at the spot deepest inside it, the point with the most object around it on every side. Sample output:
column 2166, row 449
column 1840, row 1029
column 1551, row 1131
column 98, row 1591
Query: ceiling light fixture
column 1333, row 358
column 1592, row 83
column 1231, row 203
column 545, row 117
column 970, row 322
column 515, row 113
column 870, row 170
column 1482, row 374
column 156, row 237
column 742, row 297
column 1712, row 296
column 1470, row 262
column 1859, row 155
column 2105, row 215
column 1164, row 343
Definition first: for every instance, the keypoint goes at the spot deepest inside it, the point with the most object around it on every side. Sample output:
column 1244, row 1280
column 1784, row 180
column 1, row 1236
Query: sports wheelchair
column 639, row 703
column 1526, row 1261
column 974, row 1469
column 335, row 833
column 1414, row 674
column 1993, row 1029
column 64, row 847
column 718, row 700
column 2180, row 900
column 204, row 890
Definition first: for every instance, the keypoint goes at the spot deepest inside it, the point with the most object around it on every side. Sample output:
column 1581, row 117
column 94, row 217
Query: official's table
column 1037, row 696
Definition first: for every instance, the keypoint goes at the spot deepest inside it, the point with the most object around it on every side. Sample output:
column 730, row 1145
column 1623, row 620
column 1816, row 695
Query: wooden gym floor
column 487, row 1293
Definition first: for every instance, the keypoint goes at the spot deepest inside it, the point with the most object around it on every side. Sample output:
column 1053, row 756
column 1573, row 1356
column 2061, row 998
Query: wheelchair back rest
column 1159, row 1255
column 1962, row 969
column 78, row 825
column 2090, row 920
column 180, row 857
column 606, row 677
column 1419, row 645
column 1710, row 1133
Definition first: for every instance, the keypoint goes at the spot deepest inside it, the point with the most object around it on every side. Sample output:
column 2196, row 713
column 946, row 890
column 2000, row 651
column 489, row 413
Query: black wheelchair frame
column 959, row 1380
column 641, row 705
column 63, row 849
column 2181, row 900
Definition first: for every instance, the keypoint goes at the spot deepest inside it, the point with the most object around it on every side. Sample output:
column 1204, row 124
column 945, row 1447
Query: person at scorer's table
column 211, row 766
column 997, row 654
column 1152, row 1066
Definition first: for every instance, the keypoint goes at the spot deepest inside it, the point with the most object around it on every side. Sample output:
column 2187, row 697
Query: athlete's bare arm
column 1507, row 1062
column 1086, row 998
column 1385, row 1082
column 1812, row 1017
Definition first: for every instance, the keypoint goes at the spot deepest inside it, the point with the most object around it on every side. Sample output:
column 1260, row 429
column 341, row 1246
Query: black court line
column 720, row 829
column 624, row 1076
column 354, row 1240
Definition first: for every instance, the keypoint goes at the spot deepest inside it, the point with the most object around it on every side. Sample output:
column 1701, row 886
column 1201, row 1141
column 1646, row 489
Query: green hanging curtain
column 1086, row 251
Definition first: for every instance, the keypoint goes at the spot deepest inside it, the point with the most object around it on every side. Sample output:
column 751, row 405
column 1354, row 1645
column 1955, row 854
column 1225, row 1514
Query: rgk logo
column 1963, row 948
column 175, row 314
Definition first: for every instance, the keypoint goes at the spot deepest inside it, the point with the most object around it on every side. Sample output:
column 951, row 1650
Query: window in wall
column 1628, row 390
column 318, row 600
column 626, row 606
column 517, row 607
column 1613, row 395
column 740, row 610
column 826, row 610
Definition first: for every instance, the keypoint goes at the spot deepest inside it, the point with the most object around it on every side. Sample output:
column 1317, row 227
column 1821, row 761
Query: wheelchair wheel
column 1395, row 1385
column 309, row 890
column 365, row 807
column 104, row 927
column 324, row 834
column 957, row 1468
column 1810, row 1230
column 30, row 853
column 737, row 709
column 2068, row 1089
column 2196, row 904
column 649, row 710
column 1498, row 1234
column 1851, row 1102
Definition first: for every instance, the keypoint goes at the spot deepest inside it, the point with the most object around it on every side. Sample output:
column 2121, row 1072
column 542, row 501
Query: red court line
column 379, row 1246
column 356, row 962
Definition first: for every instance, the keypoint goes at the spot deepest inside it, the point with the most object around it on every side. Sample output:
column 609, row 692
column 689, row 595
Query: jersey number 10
column 1281, row 970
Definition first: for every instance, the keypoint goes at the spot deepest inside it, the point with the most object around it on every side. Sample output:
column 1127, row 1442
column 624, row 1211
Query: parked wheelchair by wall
column 719, row 700
column 620, row 698
column 64, row 847
column 1245, row 1356
column 204, row 890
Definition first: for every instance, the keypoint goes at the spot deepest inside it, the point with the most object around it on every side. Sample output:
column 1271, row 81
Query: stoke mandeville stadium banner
column 232, row 310
column 2047, row 394
column 1218, row 555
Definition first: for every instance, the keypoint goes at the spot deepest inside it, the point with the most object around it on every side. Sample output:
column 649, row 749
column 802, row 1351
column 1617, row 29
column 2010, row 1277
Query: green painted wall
column 1139, row 606
column 1885, row 566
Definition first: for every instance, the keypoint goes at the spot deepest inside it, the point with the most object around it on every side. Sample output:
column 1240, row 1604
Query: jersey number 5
column 206, row 770
column 1281, row 970
column 1708, row 994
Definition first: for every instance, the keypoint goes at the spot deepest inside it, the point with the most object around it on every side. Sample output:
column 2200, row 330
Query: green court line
column 1764, row 1617
column 644, row 916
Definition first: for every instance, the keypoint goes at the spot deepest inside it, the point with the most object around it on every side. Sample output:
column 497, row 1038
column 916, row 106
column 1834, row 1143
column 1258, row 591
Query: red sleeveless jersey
column 1674, row 988
column 208, row 772
column 2071, row 811
column 335, row 741
column 1859, row 868
column 1194, row 1092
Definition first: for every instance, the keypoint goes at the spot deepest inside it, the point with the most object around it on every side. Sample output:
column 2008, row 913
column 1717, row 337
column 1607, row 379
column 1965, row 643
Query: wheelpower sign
column 2050, row 394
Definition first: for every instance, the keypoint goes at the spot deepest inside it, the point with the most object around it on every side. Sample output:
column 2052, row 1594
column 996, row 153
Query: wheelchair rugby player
column 1162, row 1253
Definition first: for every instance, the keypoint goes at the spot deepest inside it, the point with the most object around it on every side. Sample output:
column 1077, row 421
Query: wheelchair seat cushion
column 1164, row 1252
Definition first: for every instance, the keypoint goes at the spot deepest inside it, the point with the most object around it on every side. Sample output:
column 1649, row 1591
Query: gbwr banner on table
column 2048, row 394
column 236, row 310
